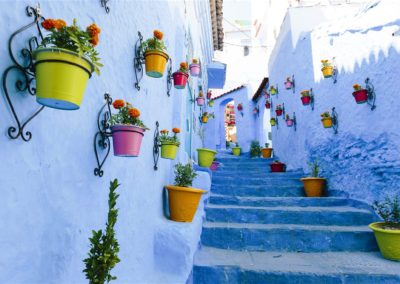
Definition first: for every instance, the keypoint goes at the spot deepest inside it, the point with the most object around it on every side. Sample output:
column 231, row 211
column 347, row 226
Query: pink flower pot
column 127, row 140
column 180, row 79
column 194, row 69
column 279, row 112
column 306, row 100
column 288, row 85
column 278, row 167
column 200, row 101
column 209, row 94
column 361, row 96
column 214, row 166
column 289, row 122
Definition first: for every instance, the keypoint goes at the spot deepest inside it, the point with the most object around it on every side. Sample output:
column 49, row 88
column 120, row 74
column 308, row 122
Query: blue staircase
column 261, row 229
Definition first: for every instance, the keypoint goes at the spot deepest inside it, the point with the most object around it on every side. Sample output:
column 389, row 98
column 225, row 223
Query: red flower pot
column 361, row 96
column 180, row 79
column 279, row 112
column 209, row 94
column 278, row 167
column 306, row 100
column 267, row 105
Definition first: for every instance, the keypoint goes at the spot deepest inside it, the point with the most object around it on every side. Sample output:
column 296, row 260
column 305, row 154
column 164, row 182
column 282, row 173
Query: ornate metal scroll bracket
column 312, row 99
column 283, row 110
column 335, row 120
column 371, row 93
column 277, row 123
column 24, row 82
column 156, row 146
column 294, row 121
column 102, row 136
column 169, row 77
column 104, row 4
column 293, row 84
column 334, row 71
column 138, row 61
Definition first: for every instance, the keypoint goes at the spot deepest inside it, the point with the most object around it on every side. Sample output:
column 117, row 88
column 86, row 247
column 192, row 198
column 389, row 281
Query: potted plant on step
column 64, row 63
column 305, row 97
column 200, row 99
column 387, row 233
column 227, row 144
column 289, row 121
column 240, row 108
column 266, row 152
column 180, row 76
column 236, row 150
column 127, row 130
column 326, row 120
column 195, row 68
column 183, row 199
column 277, row 167
column 205, row 157
column 278, row 110
column 272, row 121
column 327, row 68
column 272, row 90
column 314, row 186
column 255, row 149
column 360, row 94
column 214, row 165
column 169, row 144
column 288, row 83
column 155, row 55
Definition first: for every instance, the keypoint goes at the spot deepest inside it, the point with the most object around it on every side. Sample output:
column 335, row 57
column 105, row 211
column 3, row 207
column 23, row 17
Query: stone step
column 245, row 180
column 283, row 237
column 338, row 215
column 233, row 267
column 242, row 159
column 264, row 190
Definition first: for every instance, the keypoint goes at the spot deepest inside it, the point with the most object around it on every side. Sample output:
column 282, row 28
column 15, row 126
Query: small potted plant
column 209, row 94
column 266, row 95
column 360, row 94
column 205, row 157
column 255, row 149
column 181, row 76
column 289, row 121
column 327, row 68
column 183, row 199
column 227, row 144
column 272, row 121
column 211, row 103
column 278, row 110
column 387, row 233
column 267, row 104
column 64, row 63
column 266, row 152
column 195, row 68
column 214, row 166
column 256, row 110
column 314, row 186
column 326, row 119
column 288, row 83
column 305, row 97
column 277, row 167
column 127, row 130
column 273, row 90
column 204, row 117
column 236, row 150
column 169, row 144
column 240, row 108
column 200, row 99
column 155, row 55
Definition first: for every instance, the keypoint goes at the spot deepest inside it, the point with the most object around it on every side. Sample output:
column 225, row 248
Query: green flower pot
column 388, row 241
column 169, row 150
column 236, row 151
column 205, row 157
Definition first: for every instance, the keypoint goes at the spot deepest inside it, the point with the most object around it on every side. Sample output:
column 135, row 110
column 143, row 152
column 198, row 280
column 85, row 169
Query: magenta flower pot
column 194, row 69
column 289, row 122
column 200, row 101
column 361, row 96
column 306, row 100
column 279, row 112
column 288, row 85
column 214, row 166
column 180, row 79
column 127, row 140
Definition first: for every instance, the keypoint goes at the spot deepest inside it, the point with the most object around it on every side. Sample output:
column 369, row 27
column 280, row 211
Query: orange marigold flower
column 93, row 30
column 117, row 104
column 158, row 34
column 134, row 112
column 59, row 24
column 94, row 40
column 183, row 65
column 48, row 24
column 176, row 130
column 164, row 131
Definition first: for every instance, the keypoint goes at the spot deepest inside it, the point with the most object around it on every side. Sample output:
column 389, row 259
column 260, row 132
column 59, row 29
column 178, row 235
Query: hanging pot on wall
column 180, row 79
column 200, row 101
column 279, row 112
column 205, row 157
column 272, row 121
column 194, row 69
column 169, row 150
column 127, row 140
column 289, row 122
column 204, row 119
column 288, row 85
column 361, row 96
column 327, row 122
column 61, row 77
column 267, row 105
column 327, row 71
column 155, row 62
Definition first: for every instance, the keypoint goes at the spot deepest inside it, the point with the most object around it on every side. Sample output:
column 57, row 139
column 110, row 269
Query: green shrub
column 389, row 210
column 184, row 175
column 255, row 149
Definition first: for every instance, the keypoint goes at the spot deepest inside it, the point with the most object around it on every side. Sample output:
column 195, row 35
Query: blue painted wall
column 50, row 198
column 363, row 159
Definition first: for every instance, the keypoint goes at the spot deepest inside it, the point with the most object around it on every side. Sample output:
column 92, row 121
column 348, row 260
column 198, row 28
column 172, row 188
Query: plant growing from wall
column 255, row 149
column 104, row 247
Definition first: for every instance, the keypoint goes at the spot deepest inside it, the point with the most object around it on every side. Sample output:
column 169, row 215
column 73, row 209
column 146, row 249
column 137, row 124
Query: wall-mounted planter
column 290, row 83
column 272, row 121
column 365, row 95
column 330, row 120
column 180, row 79
column 327, row 71
column 169, row 150
column 214, row 166
column 61, row 77
column 200, row 101
column 204, row 119
column 314, row 186
column 273, row 90
column 155, row 62
column 209, row 94
column 306, row 100
column 183, row 202
column 236, row 151
column 205, row 157
column 278, row 112
column 267, row 105
column 327, row 122
column 194, row 69
column 361, row 96
column 211, row 103
column 289, row 122
column 266, row 152
column 388, row 241
column 277, row 167
column 127, row 140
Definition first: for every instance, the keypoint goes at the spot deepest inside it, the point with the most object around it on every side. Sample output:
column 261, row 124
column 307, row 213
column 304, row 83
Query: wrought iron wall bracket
column 371, row 93
column 169, row 77
column 156, row 146
column 293, row 84
column 277, row 123
column 335, row 120
column 25, row 81
column 334, row 71
column 294, row 121
column 102, row 136
column 138, row 61
column 104, row 4
column 312, row 99
column 283, row 111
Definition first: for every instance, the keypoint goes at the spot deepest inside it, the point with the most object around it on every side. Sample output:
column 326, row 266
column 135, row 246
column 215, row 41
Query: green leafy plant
column 165, row 138
column 389, row 211
column 73, row 38
column 104, row 247
column 127, row 115
column 325, row 114
column 314, row 168
column 305, row 93
column 184, row 175
column 266, row 145
column 326, row 63
column 237, row 144
column 227, row 144
column 255, row 149
column 154, row 43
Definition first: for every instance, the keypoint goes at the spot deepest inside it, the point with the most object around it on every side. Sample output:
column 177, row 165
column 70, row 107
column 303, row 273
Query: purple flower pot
column 200, row 101
column 289, row 122
column 194, row 69
column 214, row 166
column 288, row 85
column 127, row 140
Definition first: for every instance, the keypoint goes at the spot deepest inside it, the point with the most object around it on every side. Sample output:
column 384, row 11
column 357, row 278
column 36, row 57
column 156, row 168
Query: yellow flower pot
column 273, row 122
column 388, row 241
column 313, row 186
column 272, row 92
column 204, row 119
column 327, row 71
column 266, row 152
column 205, row 157
column 327, row 122
column 183, row 202
column 169, row 150
column 236, row 151
column 61, row 77
column 155, row 62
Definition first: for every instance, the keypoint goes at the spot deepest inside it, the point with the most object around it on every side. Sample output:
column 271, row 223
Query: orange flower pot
column 155, row 62
column 314, row 187
column 266, row 152
column 327, row 122
column 204, row 119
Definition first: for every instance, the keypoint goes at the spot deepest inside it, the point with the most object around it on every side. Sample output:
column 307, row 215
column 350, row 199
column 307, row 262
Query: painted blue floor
column 261, row 229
